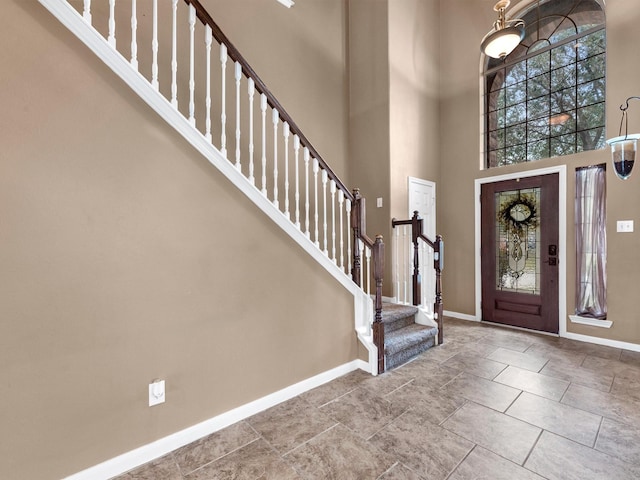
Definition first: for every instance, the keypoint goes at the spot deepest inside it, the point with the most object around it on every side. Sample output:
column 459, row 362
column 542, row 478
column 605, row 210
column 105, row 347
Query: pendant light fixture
column 505, row 36
column 624, row 147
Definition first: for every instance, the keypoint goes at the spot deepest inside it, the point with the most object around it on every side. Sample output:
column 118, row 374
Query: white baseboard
column 572, row 336
column 602, row 341
column 127, row 461
column 461, row 316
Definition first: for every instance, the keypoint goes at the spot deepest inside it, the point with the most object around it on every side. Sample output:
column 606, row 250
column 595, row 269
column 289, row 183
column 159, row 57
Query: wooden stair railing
column 358, row 212
column 260, row 86
column 309, row 195
column 438, row 264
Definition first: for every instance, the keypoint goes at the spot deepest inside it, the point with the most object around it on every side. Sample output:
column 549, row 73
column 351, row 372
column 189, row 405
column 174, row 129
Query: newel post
column 357, row 214
column 378, row 325
column 438, row 264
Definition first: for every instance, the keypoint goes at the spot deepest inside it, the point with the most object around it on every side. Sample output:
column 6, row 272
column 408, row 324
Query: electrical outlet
column 156, row 392
column 624, row 226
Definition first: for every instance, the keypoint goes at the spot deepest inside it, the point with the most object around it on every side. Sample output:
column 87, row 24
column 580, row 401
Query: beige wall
column 369, row 166
column 393, row 65
column 126, row 257
column 464, row 23
column 414, row 129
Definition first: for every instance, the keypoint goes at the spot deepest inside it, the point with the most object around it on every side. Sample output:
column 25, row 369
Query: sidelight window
column 591, row 242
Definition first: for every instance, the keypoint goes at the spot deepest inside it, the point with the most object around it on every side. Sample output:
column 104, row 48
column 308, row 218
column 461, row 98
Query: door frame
column 561, row 170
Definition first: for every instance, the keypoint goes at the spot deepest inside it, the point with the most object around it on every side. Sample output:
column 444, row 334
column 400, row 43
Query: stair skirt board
column 135, row 458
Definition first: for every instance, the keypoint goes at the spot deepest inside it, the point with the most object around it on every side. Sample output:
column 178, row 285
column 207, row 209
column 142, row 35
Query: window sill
column 594, row 322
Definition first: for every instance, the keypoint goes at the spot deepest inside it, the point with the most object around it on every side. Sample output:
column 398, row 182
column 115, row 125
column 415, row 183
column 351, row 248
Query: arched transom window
column 546, row 98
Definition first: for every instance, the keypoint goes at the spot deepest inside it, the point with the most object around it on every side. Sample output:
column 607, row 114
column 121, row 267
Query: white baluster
column 154, row 48
column 409, row 265
column 401, row 267
column 316, row 168
column 275, row 118
column 396, row 247
column 426, row 274
column 324, row 210
column 251, row 91
column 112, row 23
column 238, row 77
column 208, row 40
column 348, row 212
column 192, row 80
column 86, row 13
column 368, row 258
column 223, row 114
column 174, row 55
column 332, row 186
column 306, row 201
column 406, row 260
column 340, row 209
column 263, row 111
column 285, row 134
column 134, row 35
column 362, row 263
column 296, row 150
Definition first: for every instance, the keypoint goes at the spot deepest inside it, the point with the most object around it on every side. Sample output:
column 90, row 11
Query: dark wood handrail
column 248, row 71
column 438, row 263
column 395, row 223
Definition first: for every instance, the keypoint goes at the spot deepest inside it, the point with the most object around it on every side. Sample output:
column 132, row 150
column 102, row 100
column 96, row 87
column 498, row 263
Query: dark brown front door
column 520, row 252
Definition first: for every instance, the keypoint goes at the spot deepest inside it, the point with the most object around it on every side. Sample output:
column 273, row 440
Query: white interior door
column 422, row 198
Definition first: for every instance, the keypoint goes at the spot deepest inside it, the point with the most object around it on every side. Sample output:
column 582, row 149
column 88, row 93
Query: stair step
column 407, row 337
column 405, row 343
column 396, row 316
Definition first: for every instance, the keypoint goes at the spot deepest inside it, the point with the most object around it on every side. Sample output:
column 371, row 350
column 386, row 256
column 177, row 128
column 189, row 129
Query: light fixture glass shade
column 500, row 43
column 623, row 154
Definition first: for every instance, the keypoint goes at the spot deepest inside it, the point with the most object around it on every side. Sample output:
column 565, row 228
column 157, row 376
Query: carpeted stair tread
column 408, row 354
column 403, row 338
column 407, row 337
column 394, row 311
column 404, row 344
column 396, row 316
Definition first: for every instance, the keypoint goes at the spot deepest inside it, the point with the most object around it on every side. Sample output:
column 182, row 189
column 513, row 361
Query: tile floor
column 491, row 403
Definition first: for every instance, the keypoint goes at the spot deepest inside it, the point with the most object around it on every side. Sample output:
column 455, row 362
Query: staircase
column 404, row 338
column 270, row 160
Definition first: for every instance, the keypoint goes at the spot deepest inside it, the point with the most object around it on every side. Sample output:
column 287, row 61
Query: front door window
column 518, row 241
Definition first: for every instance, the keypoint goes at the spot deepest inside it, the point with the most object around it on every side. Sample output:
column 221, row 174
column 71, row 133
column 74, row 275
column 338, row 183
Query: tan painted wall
column 414, row 104
column 369, row 108
column 126, row 257
column 393, row 65
column 464, row 23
